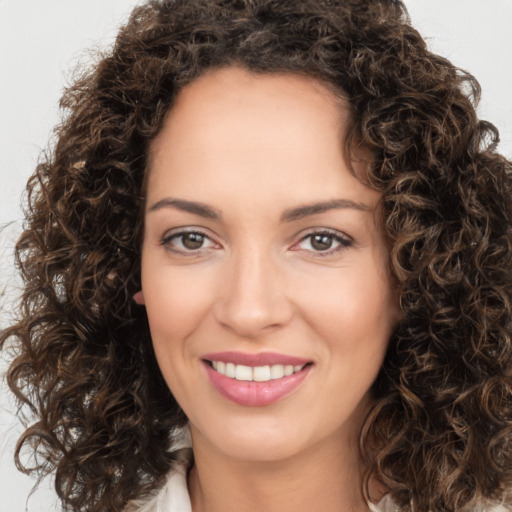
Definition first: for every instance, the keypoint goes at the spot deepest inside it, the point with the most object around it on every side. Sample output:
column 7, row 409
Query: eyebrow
column 300, row 212
column 201, row 209
column 289, row 215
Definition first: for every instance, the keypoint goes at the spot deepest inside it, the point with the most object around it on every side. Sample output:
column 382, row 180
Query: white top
column 173, row 496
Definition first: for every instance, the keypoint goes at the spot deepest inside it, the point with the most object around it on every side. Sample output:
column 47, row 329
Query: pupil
column 193, row 240
column 321, row 242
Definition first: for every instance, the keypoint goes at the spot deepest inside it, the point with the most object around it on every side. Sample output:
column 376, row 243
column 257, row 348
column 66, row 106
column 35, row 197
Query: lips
column 255, row 379
column 262, row 359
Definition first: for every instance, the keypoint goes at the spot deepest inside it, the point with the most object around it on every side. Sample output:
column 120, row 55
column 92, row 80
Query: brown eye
column 321, row 242
column 192, row 240
column 188, row 242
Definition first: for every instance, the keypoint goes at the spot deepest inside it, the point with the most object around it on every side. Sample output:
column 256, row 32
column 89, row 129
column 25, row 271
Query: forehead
column 250, row 89
column 234, row 99
column 233, row 128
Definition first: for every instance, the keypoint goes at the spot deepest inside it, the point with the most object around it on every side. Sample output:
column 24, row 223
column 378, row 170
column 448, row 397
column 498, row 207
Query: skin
column 252, row 147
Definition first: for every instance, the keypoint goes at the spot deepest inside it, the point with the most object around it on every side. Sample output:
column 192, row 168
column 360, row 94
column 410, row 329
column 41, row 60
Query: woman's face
column 262, row 258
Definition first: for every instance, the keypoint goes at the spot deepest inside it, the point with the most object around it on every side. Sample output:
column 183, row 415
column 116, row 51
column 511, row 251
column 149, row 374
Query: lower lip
column 255, row 394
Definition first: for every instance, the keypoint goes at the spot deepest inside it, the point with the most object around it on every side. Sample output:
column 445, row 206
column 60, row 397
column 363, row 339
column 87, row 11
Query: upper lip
column 261, row 359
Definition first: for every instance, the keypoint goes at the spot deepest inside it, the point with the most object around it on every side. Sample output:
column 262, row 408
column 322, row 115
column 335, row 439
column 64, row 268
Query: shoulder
column 387, row 505
column 173, row 495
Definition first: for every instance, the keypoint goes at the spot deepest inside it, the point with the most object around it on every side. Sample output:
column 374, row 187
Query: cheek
column 176, row 305
column 354, row 312
column 177, row 300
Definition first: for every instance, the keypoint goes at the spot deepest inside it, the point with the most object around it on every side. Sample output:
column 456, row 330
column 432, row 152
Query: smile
column 255, row 380
column 257, row 373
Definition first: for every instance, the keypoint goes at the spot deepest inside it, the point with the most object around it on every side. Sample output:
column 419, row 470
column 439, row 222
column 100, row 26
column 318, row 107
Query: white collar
column 173, row 496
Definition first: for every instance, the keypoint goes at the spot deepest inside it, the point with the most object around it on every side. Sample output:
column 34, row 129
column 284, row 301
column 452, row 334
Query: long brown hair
column 440, row 434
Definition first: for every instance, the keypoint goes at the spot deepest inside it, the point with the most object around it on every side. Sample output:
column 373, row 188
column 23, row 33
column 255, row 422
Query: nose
column 252, row 298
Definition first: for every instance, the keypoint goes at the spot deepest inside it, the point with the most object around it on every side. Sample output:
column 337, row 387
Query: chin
column 261, row 448
column 258, row 439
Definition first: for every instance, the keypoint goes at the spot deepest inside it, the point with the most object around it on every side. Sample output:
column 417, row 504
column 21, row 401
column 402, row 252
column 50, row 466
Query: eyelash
column 166, row 242
column 343, row 241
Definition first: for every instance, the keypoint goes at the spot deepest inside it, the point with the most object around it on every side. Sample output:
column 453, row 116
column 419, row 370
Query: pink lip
column 262, row 359
column 255, row 394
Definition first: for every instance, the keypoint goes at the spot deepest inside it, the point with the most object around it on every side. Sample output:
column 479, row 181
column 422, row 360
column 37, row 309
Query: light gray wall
column 41, row 41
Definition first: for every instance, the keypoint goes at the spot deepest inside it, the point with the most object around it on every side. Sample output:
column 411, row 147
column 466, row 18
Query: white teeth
column 243, row 372
column 230, row 370
column 261, row 373
column 255, row 373
column 277, row 371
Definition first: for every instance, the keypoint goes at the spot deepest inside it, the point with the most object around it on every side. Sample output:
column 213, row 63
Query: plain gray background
column 42, row 40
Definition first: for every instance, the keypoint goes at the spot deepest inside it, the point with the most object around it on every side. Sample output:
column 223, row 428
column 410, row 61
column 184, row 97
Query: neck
column 326, row 477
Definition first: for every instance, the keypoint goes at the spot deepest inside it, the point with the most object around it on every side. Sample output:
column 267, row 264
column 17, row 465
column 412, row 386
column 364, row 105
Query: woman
column 277, row 227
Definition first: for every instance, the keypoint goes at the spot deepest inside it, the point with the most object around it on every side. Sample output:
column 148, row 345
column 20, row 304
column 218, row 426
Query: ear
column 139, row 298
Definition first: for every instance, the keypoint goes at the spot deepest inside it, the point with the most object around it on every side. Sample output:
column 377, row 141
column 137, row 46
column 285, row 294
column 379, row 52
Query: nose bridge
column 252, row 298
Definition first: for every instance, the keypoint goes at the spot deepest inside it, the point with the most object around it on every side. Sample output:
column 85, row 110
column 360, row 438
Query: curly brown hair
column 439, row 435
